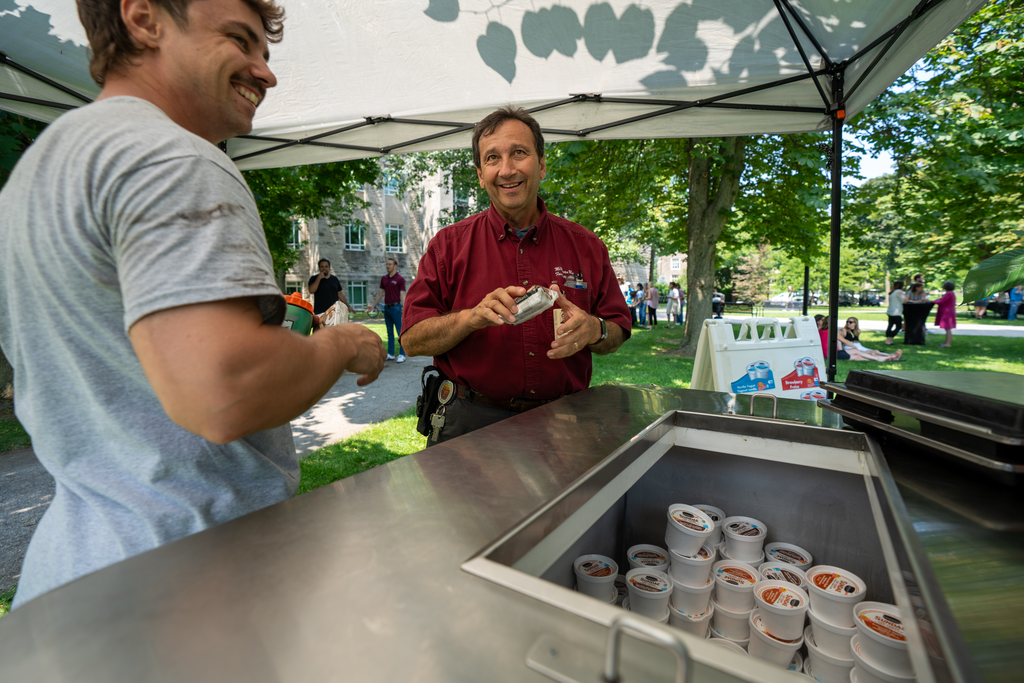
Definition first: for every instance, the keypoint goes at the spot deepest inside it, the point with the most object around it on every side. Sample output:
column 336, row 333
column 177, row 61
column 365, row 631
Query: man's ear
column 144, row 21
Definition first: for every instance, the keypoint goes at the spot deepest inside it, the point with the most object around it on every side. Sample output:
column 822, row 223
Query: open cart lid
column 365, row 79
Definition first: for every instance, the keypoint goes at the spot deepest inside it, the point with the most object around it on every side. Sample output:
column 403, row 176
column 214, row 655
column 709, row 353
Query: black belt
column 390, row 305
column 516, row 405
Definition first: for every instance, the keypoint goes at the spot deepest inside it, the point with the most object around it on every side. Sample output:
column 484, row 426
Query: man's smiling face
column 510, row 168
column 217, row 66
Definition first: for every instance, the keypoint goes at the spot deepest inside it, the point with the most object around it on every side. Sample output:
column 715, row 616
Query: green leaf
column 996, row 274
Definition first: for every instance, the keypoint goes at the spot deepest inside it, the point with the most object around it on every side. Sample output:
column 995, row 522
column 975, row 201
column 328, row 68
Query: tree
column 317, row 191
column 752, row 279
column 955, row 125
column 16, row 134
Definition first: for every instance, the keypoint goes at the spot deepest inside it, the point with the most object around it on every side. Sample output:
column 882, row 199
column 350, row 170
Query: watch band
column 604, row 332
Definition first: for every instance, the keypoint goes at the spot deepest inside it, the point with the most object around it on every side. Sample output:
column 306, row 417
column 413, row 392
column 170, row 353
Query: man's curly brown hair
column 112, row 46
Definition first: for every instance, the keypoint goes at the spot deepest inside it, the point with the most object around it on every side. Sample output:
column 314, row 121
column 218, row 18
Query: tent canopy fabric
column 363, row 79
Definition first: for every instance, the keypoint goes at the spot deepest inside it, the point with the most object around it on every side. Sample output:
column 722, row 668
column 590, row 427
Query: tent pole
column 838, row 116
column 807, row 278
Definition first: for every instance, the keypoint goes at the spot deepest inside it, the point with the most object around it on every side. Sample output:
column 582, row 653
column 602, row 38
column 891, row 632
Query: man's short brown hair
column 113, row 47
column 491, row 122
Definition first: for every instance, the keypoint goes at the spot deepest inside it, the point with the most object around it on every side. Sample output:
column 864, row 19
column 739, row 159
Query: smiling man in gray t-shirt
column 153, row 374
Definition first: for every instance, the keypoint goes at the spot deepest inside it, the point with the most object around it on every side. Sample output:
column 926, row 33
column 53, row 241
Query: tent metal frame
column 833, row 107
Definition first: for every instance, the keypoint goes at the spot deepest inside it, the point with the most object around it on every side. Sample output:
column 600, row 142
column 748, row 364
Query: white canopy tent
column 359, row 79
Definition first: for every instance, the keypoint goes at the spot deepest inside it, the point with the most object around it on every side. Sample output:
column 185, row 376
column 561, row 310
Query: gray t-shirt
column 114, row 213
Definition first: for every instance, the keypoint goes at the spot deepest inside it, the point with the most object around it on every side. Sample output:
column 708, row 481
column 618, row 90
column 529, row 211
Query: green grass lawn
column 878, row 313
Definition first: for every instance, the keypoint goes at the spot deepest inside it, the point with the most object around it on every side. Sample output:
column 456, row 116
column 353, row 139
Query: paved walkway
column 26, row 488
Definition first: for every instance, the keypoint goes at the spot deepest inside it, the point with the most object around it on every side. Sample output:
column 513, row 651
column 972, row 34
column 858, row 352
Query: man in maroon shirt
column 392, row 288
column 462, row 300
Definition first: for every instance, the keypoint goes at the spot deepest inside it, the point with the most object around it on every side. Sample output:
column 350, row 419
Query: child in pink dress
column 945, row 312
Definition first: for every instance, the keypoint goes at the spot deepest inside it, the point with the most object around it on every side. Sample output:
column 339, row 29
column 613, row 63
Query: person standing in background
column 653, row 295
column 673, row 305
column 392, row 288
column 1016, row 295
column 895, row 311
column 641, row 300
column 326, row 289
column 945, row 313
column 632, row 301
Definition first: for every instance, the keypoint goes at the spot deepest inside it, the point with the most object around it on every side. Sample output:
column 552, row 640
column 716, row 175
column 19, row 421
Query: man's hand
column 368, row 360
column 578, row 328
column 497, row 308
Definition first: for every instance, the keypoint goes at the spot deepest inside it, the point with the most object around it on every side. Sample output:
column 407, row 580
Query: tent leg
column 838, row 116
column 807, row 278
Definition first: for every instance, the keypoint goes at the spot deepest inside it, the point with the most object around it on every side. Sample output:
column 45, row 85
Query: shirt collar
column 500, row 228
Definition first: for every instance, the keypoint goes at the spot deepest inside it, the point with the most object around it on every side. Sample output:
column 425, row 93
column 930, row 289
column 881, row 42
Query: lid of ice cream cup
column 705, row 554
column 716, row 514
column 827, row 656
column 834, row 582
column 783, row 571
column 781, row 595
column 734, row 573
column 692, row 589
column 757, row 623
column 744, row 527
column 724, row 552
column 787, row 552
column 648, row 555
column 649, row 583
column 728, row 645
column 882, row 620
column 689, row 518
column 596, row 567
column 858, row 657
column 703, row 616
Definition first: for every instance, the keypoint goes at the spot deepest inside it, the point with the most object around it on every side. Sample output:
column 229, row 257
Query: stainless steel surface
column 624, row 624
column 888, row 403
column 362, row 579
column 949, row 449
column 775, row 403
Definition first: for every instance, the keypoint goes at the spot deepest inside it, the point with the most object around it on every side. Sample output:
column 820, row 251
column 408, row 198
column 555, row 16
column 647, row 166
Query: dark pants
column 894, row 326
column 462, row 417
column 652, row 316
column 393, row 318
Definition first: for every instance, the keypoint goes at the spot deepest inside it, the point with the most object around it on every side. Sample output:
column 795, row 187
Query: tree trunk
column 6, row 379
column 708, row 202
column 654, row 258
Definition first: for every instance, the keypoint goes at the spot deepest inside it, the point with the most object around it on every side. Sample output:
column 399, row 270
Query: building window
column 675, row 264
column 355, row 237
column 393, row 241
column 357, row 294
column 390, row 184
column 292, row 286
column 295, row 239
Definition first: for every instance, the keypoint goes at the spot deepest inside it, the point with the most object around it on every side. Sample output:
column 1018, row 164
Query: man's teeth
column 509, row 186
column 248, row 95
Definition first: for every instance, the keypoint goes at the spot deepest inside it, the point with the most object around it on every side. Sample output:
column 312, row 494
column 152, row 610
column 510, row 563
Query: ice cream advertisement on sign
column 759, row 377
column 804, row 375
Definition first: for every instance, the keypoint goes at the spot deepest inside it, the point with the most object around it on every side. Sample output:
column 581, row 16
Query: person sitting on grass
column 849, row 337
column 945, row 314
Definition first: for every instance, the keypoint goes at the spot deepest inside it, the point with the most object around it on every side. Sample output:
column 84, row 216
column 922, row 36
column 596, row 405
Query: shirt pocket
column 578, row 297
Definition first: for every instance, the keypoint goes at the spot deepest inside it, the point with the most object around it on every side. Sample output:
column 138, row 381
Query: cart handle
column 660, row 636
column 775, row 404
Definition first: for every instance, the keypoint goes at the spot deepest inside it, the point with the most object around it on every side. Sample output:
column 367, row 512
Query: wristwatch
column 604, row 332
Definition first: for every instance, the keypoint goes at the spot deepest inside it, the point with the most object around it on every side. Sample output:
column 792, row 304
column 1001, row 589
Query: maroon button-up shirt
column 466, row 261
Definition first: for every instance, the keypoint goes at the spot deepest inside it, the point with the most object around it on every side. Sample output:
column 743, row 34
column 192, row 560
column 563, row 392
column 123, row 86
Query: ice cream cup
column 783, row 571
column 729, row 624
column 716, row 515
column 595, row 575
column 797, row 663
column 827, row 668
column 744, row 537
column 741, row 644
column 734, row 585
column 762, row 369
column 629, row 608
column 689, row 599
column 687, row 530
column 693, row 570
column 649, row 557
column 752, row 371
column 697, row 624
column 831, row 639
column 787, row 552
column 610, row 598
column 727, row 644
column 621, row 590
column 649, row 592
column 783, row 608
column 767, row 647
column 882, row 640
column 866, row 672
column 726, row 556
column 834, row 592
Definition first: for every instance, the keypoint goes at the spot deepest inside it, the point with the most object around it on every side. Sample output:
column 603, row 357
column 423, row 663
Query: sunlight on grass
column 6, row 598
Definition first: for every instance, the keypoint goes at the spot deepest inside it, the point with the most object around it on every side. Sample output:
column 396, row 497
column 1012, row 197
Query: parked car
column 870, row 297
